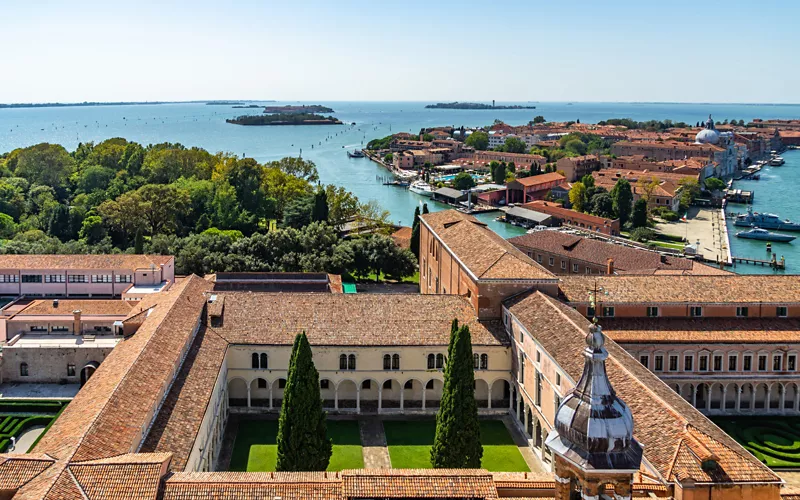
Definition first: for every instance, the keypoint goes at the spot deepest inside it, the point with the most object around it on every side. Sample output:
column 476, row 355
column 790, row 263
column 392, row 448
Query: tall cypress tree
column 424, row 208
column 303, row 444
column 319, row 212
column 415, row 233
column 457, row 443
column 138, row 243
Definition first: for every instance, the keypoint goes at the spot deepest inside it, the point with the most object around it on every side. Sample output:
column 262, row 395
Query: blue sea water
column 196, row 124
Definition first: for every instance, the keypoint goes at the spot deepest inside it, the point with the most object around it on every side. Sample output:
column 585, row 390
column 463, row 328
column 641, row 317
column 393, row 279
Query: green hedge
column 774, row 441
column 20, row 425
column 22, row 406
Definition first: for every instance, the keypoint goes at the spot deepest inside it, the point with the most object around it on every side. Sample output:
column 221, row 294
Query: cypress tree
column 319, row 212
column 457, row 443
column 303, row 444
column 424, row 208
column 415, row 233
column 138, row 243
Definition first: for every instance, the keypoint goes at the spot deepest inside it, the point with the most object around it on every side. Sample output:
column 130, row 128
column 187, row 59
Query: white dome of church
column 708, row 135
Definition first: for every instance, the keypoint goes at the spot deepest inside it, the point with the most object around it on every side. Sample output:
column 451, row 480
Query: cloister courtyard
column 374, row 442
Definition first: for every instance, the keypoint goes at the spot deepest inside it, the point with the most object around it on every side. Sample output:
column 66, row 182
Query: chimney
column 55, row 303
column 76, row 322
column 610, row 266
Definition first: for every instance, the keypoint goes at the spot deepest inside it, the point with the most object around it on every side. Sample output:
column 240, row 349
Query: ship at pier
column 764, row 221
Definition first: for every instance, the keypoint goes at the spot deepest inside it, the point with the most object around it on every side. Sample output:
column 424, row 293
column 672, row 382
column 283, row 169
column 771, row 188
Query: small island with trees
column 285, row 119
column 314, row 108
column 473, row 105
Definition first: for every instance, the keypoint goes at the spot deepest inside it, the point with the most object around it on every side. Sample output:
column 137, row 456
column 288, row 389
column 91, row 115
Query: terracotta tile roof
column 418, row 483
column 253, row 485
column 350, row 319
column 485, row 253
column 598, row 252
column 535, row 180
column 16, row 471
column 559, row 211
column 402, row 237
column 82, row 261
column 87, row 307
column 731, row 288
column 127, row 477
column 662, row 418
column 703, row 330
column 178, row 422
column 109, row 414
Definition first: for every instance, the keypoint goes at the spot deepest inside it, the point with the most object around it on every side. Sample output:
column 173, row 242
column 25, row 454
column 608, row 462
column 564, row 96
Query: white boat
column 776, row 161
column 763, row 234
column 422, row 188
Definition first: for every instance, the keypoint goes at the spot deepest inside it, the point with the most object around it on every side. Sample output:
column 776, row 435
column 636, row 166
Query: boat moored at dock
column 762, row 234
column 421, row 188
column 764, row 221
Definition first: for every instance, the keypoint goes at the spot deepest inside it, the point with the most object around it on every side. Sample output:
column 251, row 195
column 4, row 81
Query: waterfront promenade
column 703, row 225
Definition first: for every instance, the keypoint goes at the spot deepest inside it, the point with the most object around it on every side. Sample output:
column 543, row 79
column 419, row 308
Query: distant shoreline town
column 473, row 106
column 114, row 103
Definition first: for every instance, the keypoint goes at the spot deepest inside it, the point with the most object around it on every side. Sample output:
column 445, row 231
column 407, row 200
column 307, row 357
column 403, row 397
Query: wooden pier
column 773, row 263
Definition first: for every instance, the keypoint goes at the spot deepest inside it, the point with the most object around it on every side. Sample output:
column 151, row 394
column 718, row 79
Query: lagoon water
column 197, row 124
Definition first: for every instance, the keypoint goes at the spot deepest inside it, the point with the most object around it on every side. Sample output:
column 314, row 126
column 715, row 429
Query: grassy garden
column 410, row 445
column 256, row 446
column 775, row 441
column 17, row 416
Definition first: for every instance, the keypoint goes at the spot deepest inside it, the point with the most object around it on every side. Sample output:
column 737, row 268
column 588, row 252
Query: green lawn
column 370, row 278
column 256, row 448
column 773, row 440
column 410, row 445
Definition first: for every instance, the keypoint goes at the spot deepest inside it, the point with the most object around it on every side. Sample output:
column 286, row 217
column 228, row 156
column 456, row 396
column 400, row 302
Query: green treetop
column 622, row 198
column 303, row 444
column 457, row 444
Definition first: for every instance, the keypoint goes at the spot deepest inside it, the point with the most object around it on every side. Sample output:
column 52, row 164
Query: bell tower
column 594, row 451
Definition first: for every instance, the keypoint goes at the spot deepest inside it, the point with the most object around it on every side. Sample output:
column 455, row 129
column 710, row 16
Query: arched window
column 255, row 360
column 431, row 361
column 343, row 362
column 429, row 385
column 351, row 362
column 23, row 369
column 475, row 361
column 484, row 361
column 395, row 362
column 387, row 362
column 262, row 384
column 440, row 361
column 264, row 360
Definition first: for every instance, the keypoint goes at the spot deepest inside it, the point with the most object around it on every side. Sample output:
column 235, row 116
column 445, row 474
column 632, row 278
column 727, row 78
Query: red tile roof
column 703, row 330
column 82, row 261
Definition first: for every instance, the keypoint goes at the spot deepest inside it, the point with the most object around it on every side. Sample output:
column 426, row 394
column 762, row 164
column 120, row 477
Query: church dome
column 707, row 136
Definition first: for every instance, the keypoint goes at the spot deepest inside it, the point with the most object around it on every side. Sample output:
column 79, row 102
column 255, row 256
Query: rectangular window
column 717, row 363
column 781, row 311
column 732, row 360
column 652, row 312
column 54, row 278
column 673, row 363
column 688, row 362
column 791, row 363
column 695, row 311
column 551, row 261
column 123, row 278
column 608, row 312
column 564, row 264
column 9, row 278
column 777, row 362
column 574, row 268
column 558, row 379
column 747, row 363
column 762, row 363
column 703, row 363
column 588, row 270
column 323, row 384
column 590, row 311
column 659, row 363
column 70, row 370
column 741, row 312
column 101, row 278
column 538, row 389
column 644, row 360
column 539, row 258
column 556, row 399
column 31, row 278
column 77, row 278
column 538, row 356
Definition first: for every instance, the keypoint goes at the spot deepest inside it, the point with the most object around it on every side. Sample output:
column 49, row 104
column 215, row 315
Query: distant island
column 472, row 105
column 112, row 103
column 224, row 103
column 285, row 119
column 314, row 108
column 248, row 106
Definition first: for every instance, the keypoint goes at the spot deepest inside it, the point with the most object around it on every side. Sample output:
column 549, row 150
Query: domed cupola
column 708, row 135
column 594, row 427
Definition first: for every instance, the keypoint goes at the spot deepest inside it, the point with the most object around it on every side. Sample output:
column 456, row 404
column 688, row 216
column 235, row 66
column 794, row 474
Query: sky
column 334, row 50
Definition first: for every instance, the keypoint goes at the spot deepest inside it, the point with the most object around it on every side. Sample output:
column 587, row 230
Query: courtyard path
column 373, row 442
column 535, row 464
column 27, row 438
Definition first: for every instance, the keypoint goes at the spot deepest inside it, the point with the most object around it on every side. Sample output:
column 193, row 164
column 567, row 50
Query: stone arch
column 391, row 393
column 701, row 401
column 790, row 399
column 346, row 395
column 687, row 391
column 776, row 393
column 277, row 391
column 86, row 372
column 327, row 393
column 746, row 397
column 433, row 392
column 731, row 392
column 413, row 392
column 482, row 392
column 715, row 394
column 529, row 421
column 370, row 392
column 260, row 389
column 500, row 391
column 514, row 406
column 237, row 392
column 761, row 393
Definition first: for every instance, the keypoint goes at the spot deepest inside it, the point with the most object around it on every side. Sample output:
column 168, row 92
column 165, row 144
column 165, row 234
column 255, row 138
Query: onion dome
column 708, row 135
column 594, row 427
